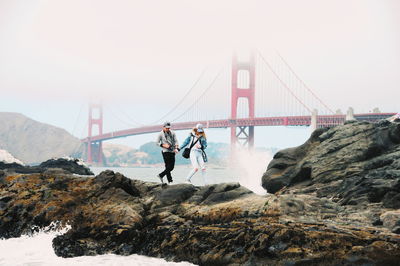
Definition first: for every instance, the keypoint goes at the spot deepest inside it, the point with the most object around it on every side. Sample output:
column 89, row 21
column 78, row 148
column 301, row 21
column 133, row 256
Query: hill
column 33, row 142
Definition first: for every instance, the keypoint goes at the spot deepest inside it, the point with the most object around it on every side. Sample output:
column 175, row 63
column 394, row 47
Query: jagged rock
column 355, row 166
column 210, row 225
column 357, row 163
column 357, row 153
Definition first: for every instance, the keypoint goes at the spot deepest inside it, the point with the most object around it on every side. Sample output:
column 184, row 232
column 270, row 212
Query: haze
column 144, row 55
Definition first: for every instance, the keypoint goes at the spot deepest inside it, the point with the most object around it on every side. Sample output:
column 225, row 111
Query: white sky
column 143, row 56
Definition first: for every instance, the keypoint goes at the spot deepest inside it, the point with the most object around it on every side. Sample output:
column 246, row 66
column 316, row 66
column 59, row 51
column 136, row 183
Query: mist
column 251, row 165
column 74, row 50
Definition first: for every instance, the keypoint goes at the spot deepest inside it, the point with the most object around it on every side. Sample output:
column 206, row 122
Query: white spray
column 251, row 165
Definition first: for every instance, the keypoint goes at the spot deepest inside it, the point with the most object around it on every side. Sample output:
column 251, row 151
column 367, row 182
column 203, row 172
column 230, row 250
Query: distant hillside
column 121, row 155
column 34, row 142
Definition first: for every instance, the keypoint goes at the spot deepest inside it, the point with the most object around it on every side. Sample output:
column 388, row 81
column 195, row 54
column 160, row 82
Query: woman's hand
column 198, row 146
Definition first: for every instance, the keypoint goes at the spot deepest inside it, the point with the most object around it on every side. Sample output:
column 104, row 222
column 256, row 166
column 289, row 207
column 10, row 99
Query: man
column 168, row 142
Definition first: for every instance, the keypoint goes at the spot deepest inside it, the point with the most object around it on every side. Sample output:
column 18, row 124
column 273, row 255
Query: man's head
column 166, row 126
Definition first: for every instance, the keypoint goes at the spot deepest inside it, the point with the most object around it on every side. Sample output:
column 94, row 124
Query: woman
column 197, row 142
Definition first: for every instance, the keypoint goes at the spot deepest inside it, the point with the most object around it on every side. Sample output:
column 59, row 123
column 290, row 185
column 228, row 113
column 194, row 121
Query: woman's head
column 199, row 130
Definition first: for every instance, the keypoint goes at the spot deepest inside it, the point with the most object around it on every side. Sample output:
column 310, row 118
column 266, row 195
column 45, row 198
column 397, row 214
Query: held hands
column 176, row 150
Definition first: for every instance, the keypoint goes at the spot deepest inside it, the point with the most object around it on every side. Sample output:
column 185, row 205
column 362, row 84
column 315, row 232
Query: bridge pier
column 95, row 152
column 350, row 114
column 314, row 120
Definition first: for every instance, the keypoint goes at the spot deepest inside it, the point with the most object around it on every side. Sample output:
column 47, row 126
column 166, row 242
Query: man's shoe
column 161, row 179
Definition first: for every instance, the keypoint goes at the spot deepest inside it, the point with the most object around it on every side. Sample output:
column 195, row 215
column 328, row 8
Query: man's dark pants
column 169, row 160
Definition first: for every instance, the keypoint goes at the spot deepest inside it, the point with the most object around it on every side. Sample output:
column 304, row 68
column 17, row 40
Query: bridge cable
column 77, row 118
column 201, row 96
column 79, row 144
column 115, row 116
column 183, row 98
column 129, row 117
column 283, row 83
column 302, row 82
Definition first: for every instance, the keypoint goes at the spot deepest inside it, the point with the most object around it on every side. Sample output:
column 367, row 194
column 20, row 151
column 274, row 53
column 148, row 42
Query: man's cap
column 167, row 125
column 199, row 128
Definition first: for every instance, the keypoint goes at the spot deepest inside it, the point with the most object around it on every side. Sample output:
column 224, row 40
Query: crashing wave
column 6, row 157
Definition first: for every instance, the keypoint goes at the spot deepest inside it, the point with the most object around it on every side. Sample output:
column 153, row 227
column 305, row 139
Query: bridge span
column 322, row 121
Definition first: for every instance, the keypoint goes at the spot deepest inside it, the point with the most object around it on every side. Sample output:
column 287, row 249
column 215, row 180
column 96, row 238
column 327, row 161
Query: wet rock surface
column 320, row 216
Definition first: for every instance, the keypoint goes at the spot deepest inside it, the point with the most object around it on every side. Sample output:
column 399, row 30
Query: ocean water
column 214, row 175
column 37, row 250
column 245, row 167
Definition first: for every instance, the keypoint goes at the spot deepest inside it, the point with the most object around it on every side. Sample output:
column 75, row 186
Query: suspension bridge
column 281, row 98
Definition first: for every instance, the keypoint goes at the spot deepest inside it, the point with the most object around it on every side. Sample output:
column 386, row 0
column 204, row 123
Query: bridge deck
column 323, row 120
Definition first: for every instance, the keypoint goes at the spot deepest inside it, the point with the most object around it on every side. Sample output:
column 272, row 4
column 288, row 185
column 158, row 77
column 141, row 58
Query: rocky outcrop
column 356, row 166
column 211, row 225
column 357, row 163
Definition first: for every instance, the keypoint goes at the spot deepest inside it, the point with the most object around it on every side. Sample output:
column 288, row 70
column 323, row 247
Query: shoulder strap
column 191, row 145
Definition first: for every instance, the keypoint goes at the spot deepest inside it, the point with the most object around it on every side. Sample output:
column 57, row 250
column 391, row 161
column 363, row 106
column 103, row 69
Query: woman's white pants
column 196, row 157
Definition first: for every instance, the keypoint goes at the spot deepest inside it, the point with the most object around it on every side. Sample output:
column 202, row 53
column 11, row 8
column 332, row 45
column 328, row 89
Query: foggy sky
column 62, row 53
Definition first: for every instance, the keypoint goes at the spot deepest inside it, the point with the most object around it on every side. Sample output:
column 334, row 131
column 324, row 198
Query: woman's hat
column 199, row 128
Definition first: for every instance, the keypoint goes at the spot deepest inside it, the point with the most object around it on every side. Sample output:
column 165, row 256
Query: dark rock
column 377, row 222
column 175, row 194
column 108, row 179
column 396, row 230
column 365, row 157
column 392, row 200
column 212, row 225
column 73, row 166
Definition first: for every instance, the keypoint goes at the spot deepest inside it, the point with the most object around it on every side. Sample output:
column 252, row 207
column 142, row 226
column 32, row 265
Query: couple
column 197, row 143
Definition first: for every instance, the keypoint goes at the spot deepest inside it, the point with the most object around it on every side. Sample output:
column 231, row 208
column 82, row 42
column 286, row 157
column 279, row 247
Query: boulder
column 357, row 163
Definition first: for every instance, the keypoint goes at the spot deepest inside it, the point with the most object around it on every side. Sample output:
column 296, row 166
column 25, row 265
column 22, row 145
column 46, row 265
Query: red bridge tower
column 246, row 72
column 95, row 149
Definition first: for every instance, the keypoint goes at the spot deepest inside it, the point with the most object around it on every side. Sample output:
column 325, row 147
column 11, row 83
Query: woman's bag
column 186, row 151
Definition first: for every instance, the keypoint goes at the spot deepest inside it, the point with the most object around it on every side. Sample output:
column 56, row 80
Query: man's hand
column 176, row 150
column 166, row 145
